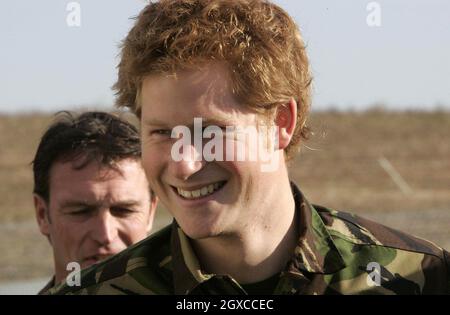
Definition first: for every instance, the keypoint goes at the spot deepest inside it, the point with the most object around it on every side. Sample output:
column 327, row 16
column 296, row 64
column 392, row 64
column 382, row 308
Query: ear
column 286, row 120
column 151, row 217
column 42, row 215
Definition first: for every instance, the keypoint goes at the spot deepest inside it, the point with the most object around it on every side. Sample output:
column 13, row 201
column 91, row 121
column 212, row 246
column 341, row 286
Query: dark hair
column 98, row 136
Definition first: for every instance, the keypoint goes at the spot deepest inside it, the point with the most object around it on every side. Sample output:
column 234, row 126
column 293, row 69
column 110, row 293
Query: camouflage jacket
column 48, row 286
column 337, row 253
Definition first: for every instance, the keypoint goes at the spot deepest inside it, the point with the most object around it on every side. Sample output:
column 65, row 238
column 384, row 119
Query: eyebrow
column 205, row 122
column 154, row 122
column 84, row 204
column 217, row 121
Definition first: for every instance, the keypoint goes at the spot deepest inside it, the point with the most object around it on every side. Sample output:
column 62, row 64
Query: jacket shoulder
column 408, row 264
column 363, row 231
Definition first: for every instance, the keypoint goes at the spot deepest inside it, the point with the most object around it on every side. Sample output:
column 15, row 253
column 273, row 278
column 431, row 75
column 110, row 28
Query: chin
column 200, row 231
column 88, row 263
column 200, row 223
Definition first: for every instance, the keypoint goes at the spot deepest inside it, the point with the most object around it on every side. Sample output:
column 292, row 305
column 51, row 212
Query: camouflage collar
column 187, row 273
column 316, row 253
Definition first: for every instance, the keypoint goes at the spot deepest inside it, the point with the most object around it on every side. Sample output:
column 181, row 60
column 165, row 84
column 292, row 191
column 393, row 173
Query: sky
column 363, row 53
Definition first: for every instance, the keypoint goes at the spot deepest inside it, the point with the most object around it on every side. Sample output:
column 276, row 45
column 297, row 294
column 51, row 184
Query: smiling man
column 240, row 228
column 91, row 195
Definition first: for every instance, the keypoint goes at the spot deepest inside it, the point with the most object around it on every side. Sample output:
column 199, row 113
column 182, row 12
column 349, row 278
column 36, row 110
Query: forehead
column 209, row 79
column 206, row 91
column 127, row 179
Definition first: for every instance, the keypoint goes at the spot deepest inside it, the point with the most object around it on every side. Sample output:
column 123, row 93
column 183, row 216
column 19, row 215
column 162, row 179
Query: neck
column 59, row 277
column 262, row 248
column 60, row 270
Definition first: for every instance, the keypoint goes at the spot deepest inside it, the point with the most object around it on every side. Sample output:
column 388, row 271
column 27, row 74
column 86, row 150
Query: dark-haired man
column 91, row 196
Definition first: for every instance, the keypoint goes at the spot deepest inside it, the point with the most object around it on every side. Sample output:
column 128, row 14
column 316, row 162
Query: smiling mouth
column 200, row 192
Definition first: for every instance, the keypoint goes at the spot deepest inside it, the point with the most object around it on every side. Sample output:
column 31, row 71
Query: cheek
column 242, row 147
column 152, row 160
column 240, row 170
column 134, row 230
column 66, row 236
column 246, row 177
column 150, row 165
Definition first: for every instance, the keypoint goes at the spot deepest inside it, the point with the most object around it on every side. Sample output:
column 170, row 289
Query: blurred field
column 339, row 168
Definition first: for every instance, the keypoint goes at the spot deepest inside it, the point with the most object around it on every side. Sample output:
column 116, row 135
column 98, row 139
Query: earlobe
column 41, row 209
column 286, row 120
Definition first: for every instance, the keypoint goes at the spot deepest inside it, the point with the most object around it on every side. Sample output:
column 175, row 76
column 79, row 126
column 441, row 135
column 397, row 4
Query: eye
column 81, row 212
column 213, row 129
column 121, row 211
column 160, row 133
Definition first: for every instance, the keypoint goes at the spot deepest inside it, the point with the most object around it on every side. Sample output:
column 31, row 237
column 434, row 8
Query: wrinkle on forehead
column 96, row 183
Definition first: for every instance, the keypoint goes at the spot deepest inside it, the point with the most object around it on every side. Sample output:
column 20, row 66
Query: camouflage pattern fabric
column 332, row 257
column 48, row 286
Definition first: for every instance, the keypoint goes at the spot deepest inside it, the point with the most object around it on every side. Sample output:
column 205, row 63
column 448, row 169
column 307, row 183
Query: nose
column 104, row 229
column 190, row 162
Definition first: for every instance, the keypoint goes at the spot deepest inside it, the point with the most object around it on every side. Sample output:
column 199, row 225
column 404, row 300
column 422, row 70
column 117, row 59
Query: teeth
column 186, row 194
column 204, row 191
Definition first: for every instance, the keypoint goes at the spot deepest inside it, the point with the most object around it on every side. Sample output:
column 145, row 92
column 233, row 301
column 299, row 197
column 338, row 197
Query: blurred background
column 381, row 110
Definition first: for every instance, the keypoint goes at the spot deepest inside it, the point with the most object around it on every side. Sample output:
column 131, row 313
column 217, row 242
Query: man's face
column 95, row 212
column 234, row 190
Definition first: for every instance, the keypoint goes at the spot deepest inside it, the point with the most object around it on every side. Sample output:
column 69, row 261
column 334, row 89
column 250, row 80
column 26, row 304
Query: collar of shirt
column 315, row 253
